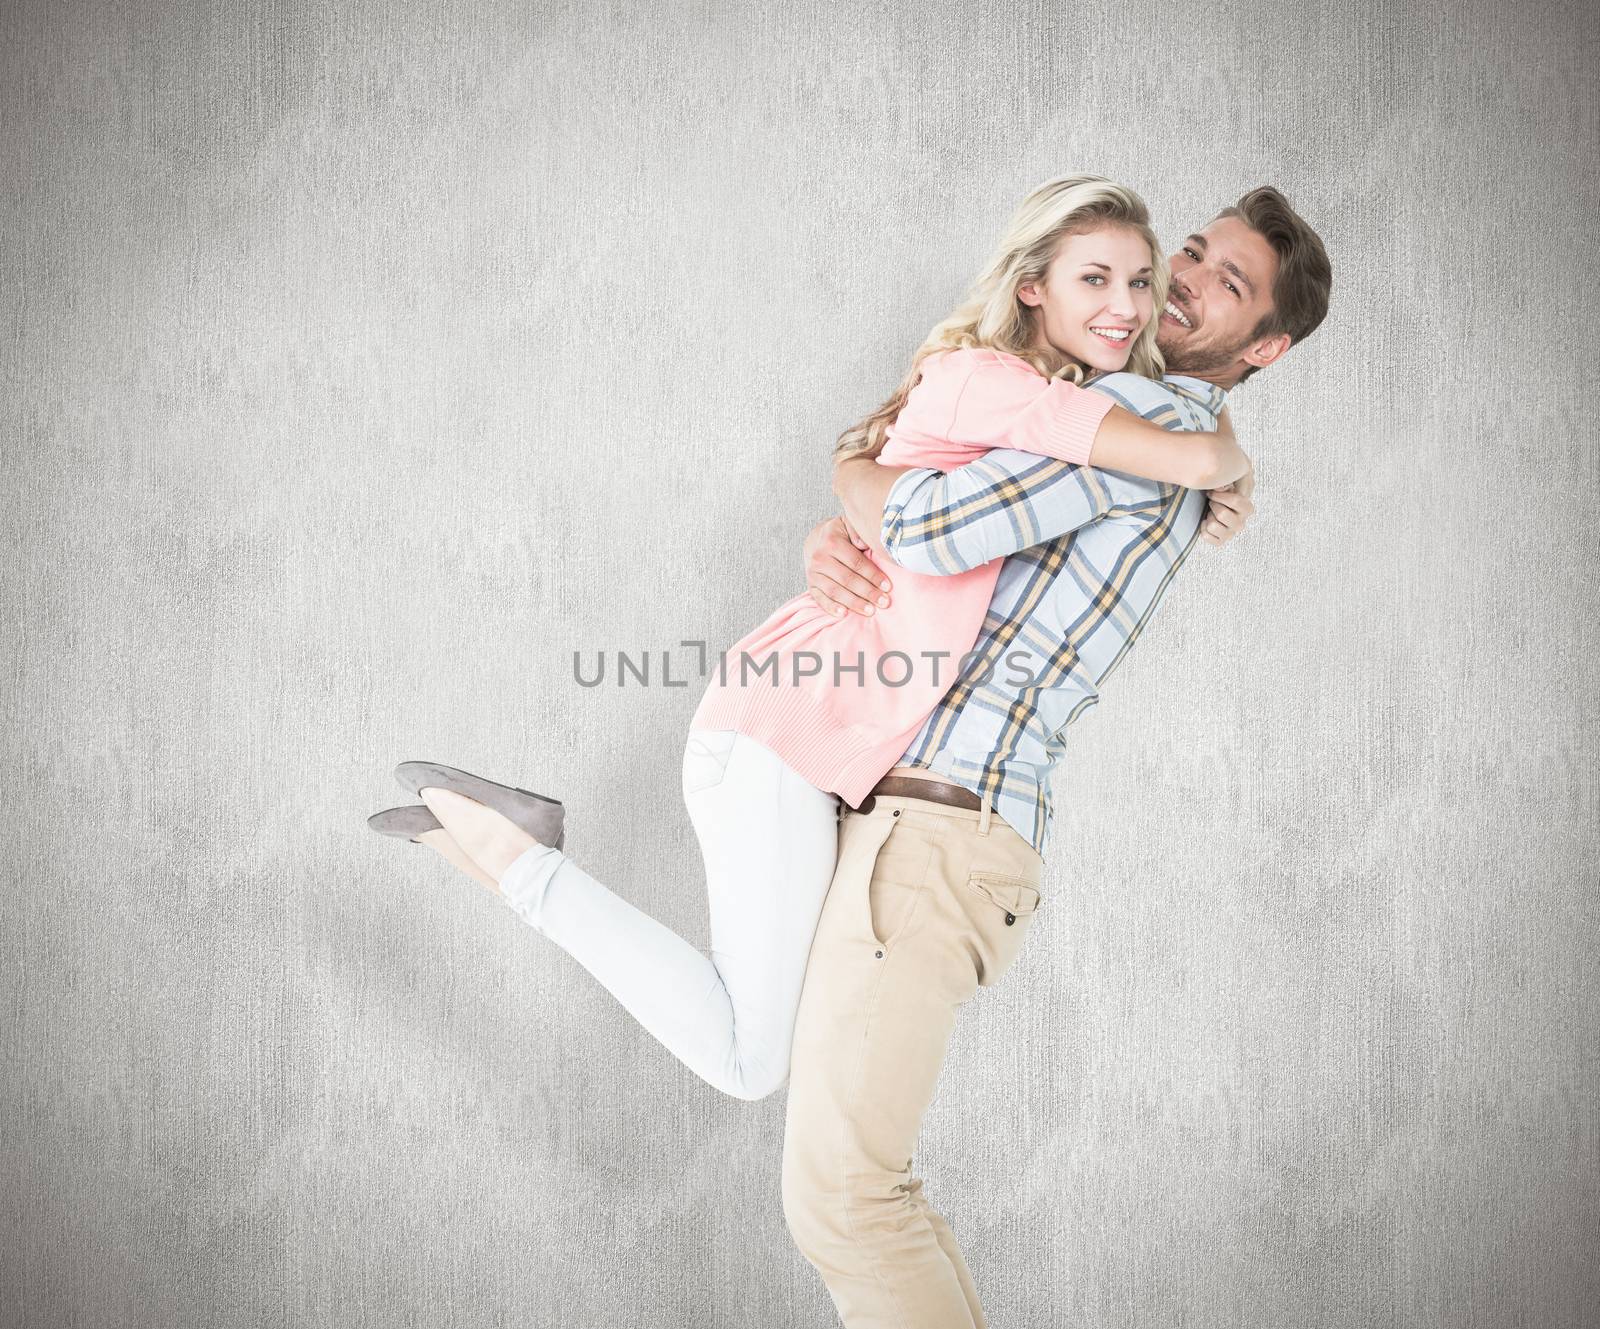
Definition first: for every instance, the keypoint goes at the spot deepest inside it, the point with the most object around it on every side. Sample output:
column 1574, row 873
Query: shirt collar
column 1207, row 395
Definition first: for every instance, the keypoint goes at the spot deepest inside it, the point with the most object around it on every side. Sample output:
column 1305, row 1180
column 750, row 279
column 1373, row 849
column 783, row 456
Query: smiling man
column 1222, row 323
column 939, row 869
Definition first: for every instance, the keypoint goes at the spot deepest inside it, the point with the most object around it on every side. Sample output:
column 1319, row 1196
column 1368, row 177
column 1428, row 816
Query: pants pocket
column 899, row 879
column 705, row 758
column 1012, row 896
column 1002, row 908
column 890, row 907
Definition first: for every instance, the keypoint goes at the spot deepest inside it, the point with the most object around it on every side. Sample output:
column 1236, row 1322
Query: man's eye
column 1191, row 253
column 1231, row 287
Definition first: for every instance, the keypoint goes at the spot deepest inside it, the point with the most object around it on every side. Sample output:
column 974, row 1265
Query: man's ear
column 1265, row 351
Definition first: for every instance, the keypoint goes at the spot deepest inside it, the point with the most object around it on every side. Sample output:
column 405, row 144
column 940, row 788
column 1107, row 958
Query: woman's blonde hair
column 992, row 316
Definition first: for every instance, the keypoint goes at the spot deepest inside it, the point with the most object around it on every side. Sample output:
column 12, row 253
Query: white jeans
column 768, row 839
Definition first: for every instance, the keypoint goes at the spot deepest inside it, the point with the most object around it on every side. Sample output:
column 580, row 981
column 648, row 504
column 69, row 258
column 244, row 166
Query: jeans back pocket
column 705, row 758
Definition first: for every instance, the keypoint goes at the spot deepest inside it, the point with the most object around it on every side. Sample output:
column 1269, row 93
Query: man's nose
column 1182, row 287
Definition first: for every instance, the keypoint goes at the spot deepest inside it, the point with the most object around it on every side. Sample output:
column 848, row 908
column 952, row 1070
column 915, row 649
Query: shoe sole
column 405, row 823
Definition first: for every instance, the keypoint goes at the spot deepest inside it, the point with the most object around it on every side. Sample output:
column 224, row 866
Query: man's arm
column 1123, row 441
column 944, row 523
column 862, row 488
column 1007, row 500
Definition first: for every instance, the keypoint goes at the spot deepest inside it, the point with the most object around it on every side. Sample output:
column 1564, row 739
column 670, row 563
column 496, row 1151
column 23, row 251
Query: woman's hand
column 839, row 574
column 1227, row 509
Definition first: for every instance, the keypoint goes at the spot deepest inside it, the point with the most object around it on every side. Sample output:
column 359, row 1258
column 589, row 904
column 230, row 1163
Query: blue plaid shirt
column 1089, row 553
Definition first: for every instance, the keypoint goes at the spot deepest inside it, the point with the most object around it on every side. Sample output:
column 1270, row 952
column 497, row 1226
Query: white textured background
column 363, row 361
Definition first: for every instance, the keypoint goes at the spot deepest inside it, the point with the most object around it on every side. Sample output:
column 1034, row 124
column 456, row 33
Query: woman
column 780, row 735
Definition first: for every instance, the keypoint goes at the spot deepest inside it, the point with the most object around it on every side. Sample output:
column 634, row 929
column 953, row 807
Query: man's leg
column 915, row 921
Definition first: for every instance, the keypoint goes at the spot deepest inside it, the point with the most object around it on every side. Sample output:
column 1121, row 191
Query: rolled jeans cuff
column 523, row 884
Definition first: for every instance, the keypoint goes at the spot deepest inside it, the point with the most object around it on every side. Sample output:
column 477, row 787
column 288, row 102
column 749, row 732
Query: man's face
column 1221, row 289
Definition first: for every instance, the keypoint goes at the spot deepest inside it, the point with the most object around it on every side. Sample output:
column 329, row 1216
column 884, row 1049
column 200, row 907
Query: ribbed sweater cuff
column 1076, row 423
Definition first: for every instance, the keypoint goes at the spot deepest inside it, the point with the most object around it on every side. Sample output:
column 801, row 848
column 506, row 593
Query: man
column 939, row 870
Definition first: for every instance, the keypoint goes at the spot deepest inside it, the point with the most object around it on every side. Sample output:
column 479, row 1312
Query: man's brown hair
column 1305, row 276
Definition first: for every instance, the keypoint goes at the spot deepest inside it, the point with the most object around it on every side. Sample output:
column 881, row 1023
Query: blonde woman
column 814, row 707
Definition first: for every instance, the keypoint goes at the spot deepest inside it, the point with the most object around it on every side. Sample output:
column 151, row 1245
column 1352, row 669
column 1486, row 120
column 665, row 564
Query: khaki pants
column 928, row 903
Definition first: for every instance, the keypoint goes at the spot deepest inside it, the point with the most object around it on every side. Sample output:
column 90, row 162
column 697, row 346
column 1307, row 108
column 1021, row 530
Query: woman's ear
column 1028, row 293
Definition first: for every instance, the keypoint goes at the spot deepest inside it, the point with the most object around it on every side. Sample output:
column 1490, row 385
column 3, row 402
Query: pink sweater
column 834, row 720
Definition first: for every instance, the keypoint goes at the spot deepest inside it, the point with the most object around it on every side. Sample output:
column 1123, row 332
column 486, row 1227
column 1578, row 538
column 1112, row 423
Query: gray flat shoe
column 407, row 823
column 541, row 817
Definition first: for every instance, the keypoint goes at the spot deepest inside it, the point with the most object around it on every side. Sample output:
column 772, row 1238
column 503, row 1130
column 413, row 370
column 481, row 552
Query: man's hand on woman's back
column 839, row 574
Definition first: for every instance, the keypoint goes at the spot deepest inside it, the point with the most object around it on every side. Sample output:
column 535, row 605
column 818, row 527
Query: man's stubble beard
column 1205, row 358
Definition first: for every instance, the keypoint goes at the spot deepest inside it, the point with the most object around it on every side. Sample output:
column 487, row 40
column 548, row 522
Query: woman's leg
column 768, row 839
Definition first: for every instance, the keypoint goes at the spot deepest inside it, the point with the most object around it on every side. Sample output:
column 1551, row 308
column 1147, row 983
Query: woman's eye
column 1141, row 282
column 1094, row 278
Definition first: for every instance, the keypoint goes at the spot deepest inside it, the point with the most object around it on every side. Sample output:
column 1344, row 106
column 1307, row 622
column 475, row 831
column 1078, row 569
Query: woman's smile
column 1096, row 297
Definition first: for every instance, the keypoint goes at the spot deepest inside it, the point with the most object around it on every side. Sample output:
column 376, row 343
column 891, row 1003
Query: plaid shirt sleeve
column 948, row 522
column 944, row 523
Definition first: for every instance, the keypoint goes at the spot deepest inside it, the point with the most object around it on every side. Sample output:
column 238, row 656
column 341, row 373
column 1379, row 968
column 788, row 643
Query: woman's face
column 1095, row 297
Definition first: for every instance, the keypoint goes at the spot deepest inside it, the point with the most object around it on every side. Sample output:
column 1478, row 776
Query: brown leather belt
column 935, row 791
